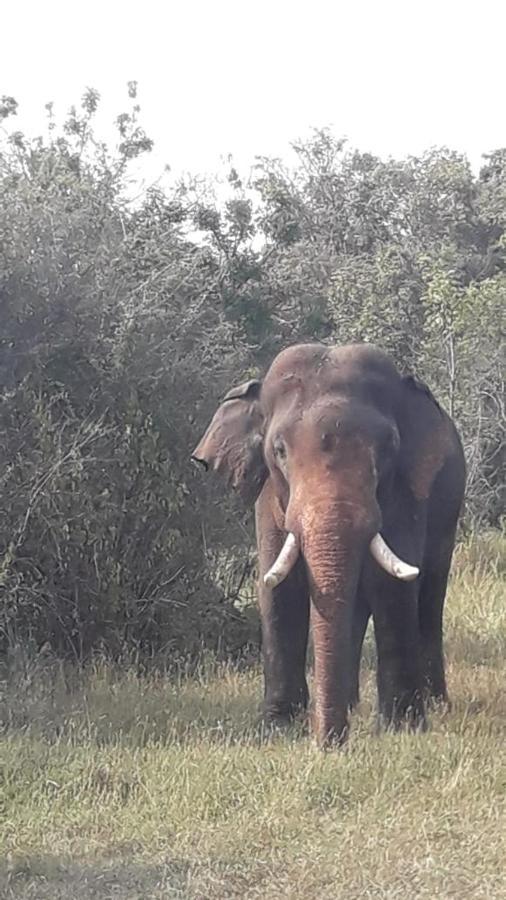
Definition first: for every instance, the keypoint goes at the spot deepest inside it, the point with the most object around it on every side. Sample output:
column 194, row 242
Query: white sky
column 246, row 78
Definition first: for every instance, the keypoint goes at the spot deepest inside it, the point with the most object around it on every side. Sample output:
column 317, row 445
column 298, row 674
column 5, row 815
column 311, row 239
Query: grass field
column 127, row 788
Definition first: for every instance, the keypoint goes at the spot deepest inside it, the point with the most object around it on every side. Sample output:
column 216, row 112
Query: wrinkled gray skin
column 334, row 446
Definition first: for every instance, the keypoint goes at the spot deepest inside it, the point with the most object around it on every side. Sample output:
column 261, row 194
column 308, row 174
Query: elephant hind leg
column 430, row 617
column 442, row 519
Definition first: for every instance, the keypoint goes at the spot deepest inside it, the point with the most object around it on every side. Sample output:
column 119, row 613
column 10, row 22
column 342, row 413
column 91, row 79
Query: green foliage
column 122, row 324
column 111, row 338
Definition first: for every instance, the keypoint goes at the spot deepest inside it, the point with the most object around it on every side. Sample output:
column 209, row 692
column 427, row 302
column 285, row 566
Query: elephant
column 357, row 475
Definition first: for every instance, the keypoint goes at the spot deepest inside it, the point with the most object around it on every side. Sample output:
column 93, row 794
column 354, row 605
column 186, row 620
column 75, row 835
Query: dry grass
column 128, row 788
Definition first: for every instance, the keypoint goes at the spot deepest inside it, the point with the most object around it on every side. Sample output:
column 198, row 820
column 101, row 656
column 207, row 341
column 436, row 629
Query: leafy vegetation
column 122, row 323
column 118, row 786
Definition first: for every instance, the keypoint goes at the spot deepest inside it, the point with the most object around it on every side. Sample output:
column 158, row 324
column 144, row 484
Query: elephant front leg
column 399, row 677
column 284, row 613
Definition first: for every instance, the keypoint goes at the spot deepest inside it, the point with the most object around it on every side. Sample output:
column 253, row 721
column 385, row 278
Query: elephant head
column 338, row 434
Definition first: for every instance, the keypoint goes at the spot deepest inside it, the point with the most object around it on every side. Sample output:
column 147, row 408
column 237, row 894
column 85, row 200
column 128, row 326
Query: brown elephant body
column 333, row 447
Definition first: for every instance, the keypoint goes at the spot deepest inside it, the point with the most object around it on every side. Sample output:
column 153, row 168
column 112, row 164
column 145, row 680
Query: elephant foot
column 280, row 715
column 403, row 716
column 409, row 723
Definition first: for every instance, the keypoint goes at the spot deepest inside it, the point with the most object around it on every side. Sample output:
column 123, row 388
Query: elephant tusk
column 285, row 562
column 391, row 563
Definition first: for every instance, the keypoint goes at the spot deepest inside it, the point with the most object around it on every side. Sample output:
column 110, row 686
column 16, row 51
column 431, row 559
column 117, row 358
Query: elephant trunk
column 333, row 555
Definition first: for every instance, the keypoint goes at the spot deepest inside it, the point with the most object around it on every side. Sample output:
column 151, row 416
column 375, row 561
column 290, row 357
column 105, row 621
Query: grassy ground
column 150, row 789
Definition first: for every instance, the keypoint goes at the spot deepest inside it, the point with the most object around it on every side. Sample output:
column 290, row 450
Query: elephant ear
column 427, row 436
column 233, row 442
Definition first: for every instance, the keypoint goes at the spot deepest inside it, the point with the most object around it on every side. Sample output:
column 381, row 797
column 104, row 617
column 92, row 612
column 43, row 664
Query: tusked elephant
column 358, row 478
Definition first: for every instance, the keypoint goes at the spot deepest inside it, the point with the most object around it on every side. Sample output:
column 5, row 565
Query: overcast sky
column 246, row 78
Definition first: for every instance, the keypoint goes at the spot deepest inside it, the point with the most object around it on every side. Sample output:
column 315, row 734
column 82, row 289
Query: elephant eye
column 279, row 449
